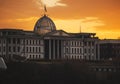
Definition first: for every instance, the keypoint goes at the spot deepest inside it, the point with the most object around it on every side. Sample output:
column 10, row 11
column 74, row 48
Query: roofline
column 10, row 29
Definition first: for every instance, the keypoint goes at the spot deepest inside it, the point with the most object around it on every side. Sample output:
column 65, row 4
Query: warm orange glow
column 98, row 16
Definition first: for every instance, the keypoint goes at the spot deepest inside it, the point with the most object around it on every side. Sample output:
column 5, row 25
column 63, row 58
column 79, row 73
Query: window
column 80, row 57
column 4, row 49
column 89, row 43
column 39, row 56
column 34, row 41
column 67, row 50
column 30, row 49
column 26, row 49
column 33, row 49
column 9, row 40
column 39, row 42
column 14, row 49
column 72, row 57
column 92, row 50
column 75, row 43
column 39, row 49
column 18, row 49
column 78, row 43
column 26, row 41
column 29, row 42
column 85, row 43
column 85, row 50
column 33, row 57
column 92, row 43
column 18, row 41
column 72, row 43
column 30, row 56
column 89, row 50
column 36, row 49
column 72, row 50
column 75, row 50
column 14, row 40
column 78, row 50
column 9, row 49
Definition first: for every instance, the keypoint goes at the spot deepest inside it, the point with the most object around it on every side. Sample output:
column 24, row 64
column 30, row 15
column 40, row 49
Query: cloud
column 19, row 23
column 50, row 3
column 25, row 19
column 92, row 22
column 19, row 19
column 88, row 24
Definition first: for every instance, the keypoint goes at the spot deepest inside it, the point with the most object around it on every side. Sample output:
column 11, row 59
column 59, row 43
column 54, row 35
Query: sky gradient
column 97, row 16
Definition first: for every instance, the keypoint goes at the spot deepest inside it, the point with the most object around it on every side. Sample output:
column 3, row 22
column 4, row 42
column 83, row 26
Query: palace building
column 47, row 43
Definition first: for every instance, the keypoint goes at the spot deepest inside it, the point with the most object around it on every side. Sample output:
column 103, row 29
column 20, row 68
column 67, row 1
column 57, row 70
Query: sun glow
column 50, row 3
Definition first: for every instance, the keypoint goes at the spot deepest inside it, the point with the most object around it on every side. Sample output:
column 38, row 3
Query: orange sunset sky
column 97, row 16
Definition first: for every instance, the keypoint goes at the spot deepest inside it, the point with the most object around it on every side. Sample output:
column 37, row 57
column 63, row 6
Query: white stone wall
column 28, row 47
column 80, row 49
column 3, row 47
column 34, row 49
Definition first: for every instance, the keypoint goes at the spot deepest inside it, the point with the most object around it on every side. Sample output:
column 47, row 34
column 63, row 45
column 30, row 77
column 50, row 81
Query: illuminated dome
column 44, row 25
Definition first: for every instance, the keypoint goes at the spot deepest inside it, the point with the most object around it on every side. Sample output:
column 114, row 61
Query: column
column 58, row 50
column 49, row 49
column 53, row 49
column 98, row 46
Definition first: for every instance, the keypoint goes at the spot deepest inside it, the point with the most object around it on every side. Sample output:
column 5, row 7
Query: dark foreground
column 55, row 73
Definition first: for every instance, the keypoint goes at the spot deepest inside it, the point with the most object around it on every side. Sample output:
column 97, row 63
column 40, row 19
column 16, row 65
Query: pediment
column 60, row 33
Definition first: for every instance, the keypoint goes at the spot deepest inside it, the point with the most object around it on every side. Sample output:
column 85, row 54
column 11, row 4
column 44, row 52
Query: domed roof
column 44, row 25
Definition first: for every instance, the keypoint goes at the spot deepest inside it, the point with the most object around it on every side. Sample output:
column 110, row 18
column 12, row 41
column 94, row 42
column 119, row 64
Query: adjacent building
column 109, row 49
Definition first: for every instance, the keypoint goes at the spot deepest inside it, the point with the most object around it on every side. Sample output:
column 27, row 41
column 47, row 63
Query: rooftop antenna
column 80, row 29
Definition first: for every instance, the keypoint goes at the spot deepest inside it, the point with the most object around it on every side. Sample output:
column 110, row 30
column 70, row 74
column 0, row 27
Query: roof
column 44, row 23
column 61, row 33
column 85, row 35
column 109, row 41
column 17, row 33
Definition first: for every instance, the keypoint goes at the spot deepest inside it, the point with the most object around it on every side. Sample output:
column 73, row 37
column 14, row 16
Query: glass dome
column 44, row 25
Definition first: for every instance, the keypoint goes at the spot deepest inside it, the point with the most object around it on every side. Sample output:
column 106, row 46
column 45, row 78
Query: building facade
column 47, row 43
column 15, row 42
